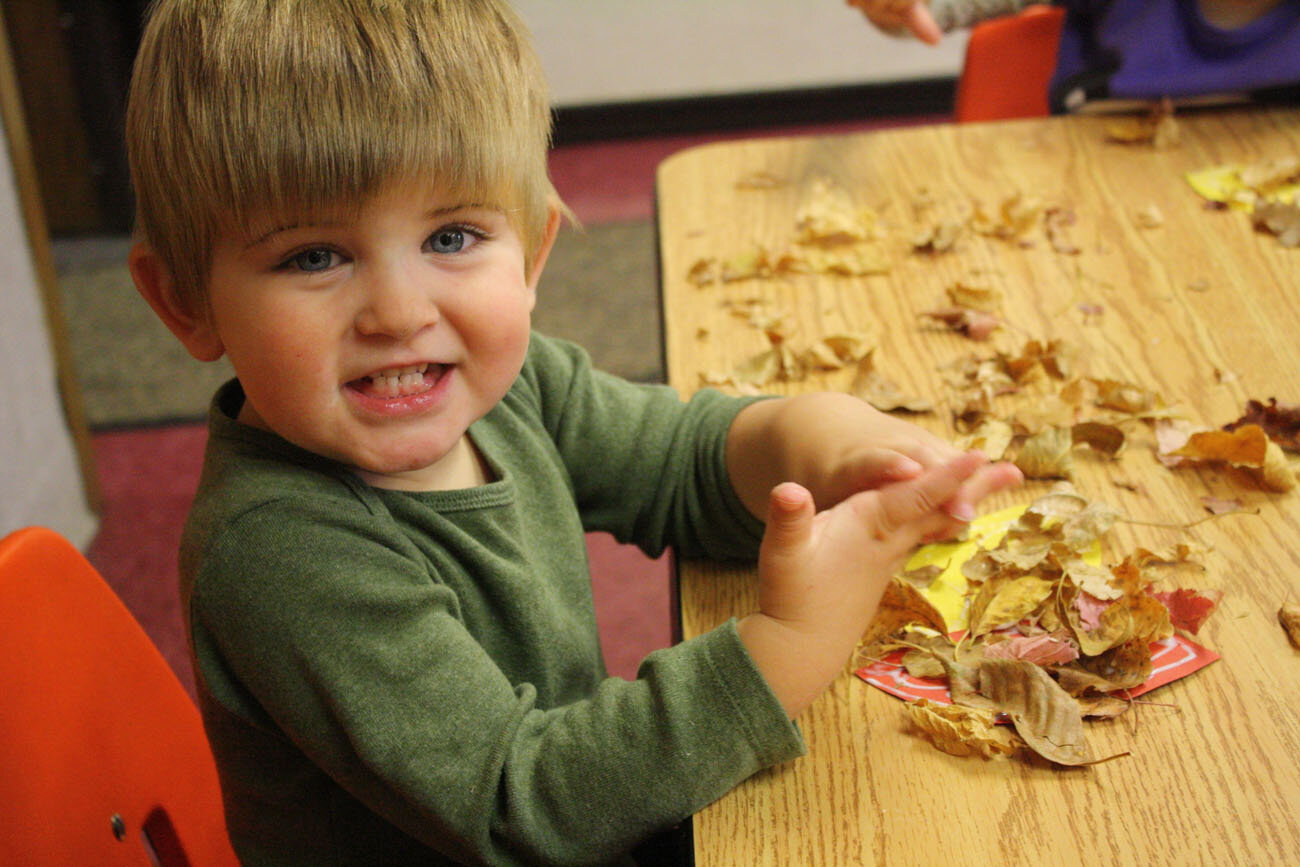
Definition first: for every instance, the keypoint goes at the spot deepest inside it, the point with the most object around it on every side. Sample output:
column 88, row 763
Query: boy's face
column 376, row 339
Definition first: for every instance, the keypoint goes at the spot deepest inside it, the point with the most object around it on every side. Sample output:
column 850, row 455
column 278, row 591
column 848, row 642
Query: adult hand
column 901, row 16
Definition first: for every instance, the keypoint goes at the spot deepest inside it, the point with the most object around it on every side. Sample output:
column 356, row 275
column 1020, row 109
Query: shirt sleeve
column 957, row 14
column 645, row 465
column 355, row 654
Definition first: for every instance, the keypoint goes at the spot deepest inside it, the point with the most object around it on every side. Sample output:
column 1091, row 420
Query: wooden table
column 1201, row 309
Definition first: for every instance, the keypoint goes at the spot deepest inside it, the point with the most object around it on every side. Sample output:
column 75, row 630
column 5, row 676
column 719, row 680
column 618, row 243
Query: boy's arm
column 363, row 662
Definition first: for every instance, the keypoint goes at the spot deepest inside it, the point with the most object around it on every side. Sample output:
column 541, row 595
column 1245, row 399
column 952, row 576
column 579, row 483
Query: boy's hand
column 837, row 445
column 898, row 16
column 821, row 575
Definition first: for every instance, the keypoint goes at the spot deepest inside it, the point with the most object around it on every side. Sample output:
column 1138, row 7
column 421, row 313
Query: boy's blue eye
column 317, row 259
column 447, row 241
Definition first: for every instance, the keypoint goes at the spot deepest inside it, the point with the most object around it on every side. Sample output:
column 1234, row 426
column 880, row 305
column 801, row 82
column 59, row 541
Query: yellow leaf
column 1007, row 603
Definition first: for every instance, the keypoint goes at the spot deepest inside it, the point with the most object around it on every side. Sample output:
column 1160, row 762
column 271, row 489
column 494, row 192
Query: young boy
column 383, row 573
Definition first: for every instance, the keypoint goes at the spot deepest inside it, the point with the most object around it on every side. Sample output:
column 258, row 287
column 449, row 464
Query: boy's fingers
column 986, row 480
column 876, row 467
column 906, row 503
column 789, row 516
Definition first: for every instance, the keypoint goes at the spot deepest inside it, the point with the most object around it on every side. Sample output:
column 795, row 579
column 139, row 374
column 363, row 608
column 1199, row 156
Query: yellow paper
column 948, row 590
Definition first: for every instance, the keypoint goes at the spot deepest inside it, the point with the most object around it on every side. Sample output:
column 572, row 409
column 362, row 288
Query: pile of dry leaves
column 1052, row 638
column 1058, row 410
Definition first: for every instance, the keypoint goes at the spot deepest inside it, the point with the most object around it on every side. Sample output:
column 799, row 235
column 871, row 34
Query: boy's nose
column 397, row 305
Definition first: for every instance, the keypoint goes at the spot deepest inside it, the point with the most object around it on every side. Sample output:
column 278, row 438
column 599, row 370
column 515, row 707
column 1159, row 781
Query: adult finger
column 922, row 24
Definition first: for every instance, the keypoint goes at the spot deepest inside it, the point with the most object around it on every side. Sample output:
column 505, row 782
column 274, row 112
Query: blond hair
column 245, row 110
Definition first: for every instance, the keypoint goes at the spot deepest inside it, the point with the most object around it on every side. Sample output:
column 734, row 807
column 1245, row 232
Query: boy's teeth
column 398, row 381
column 400, row 371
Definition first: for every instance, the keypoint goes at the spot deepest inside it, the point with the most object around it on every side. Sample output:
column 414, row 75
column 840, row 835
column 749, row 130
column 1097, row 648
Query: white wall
column 597, row 51
column 40, row 478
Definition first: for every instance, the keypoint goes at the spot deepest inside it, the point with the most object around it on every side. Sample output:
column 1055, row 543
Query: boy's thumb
column 789, row 514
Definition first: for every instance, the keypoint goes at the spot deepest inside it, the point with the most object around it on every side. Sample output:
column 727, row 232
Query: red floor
column 148, row 475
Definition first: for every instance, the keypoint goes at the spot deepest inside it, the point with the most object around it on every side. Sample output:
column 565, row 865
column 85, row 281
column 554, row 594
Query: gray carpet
column 598, row 289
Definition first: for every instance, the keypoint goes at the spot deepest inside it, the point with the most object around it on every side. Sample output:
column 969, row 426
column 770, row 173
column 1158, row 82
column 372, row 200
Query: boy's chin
column 428, row 469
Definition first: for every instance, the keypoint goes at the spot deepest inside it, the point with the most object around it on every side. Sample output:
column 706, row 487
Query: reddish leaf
column 1090, row 608
column 1188, row 608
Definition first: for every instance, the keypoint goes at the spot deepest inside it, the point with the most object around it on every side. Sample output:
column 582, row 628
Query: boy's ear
column 153, row 280
column 544, row 248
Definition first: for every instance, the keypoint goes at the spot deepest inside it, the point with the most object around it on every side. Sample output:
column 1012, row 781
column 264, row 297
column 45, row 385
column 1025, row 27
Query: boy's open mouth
column 399, row 381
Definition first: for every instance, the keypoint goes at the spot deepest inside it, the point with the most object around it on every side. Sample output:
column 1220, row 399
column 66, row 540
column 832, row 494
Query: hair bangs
column 275, row 112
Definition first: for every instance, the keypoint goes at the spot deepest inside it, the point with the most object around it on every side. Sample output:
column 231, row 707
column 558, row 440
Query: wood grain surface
column 1202, row 309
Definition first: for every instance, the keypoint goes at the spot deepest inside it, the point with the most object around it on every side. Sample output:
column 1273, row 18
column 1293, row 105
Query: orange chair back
column 1009, row 65
column 102, row 752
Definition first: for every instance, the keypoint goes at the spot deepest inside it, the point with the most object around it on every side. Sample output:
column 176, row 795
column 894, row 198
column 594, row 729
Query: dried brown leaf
column 992, row 437
column 882, row 393
column 1106, row 439
column 1279, row 420
column 1127, row 665
column 961, row 731
column 703, row 271
column 1046, row 455
column 901, row 605
column 1046, row 717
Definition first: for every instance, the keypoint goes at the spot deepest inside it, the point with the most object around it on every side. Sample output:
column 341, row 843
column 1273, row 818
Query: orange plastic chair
column 1009, row 64
column 102, row 752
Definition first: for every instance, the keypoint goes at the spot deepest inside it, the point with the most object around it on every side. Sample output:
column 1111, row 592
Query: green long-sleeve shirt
column 397, row 678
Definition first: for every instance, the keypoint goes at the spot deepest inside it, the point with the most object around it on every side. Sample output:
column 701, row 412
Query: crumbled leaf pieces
column 1157, row 128
column 759, row 180
column 1279, row 420
column 829, row 217
column 1016, row 215
column 1279, row 218
column 1289, row 616
column 1149, row 217
column 1265, row 177
column 977, row 292
column 975, row 324
column 939, row 236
